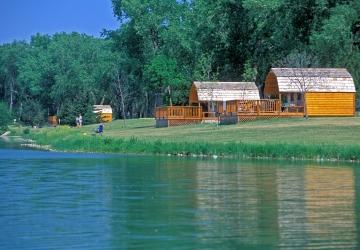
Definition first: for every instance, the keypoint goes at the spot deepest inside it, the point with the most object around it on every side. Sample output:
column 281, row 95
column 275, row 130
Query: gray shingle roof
column 226, row 91
column 315, row 79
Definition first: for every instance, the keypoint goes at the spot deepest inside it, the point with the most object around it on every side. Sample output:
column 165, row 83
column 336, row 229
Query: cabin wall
column 330, row 104
column 106, row 117
column 193, row 96
column 271, row 85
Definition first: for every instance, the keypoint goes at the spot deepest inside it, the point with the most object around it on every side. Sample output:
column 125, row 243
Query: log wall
column 330, row 104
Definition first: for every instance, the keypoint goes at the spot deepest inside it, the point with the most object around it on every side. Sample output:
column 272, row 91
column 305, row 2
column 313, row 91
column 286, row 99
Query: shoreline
column 316, row 139
column 187, row 154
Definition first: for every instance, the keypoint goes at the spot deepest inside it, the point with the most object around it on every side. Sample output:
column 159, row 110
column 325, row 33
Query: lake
column 92, row 201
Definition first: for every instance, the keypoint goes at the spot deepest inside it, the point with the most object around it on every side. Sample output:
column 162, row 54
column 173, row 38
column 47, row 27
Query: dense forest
column 161, row 46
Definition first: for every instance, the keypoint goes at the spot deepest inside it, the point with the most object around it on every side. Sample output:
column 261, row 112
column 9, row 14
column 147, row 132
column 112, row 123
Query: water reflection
column 285, row 207
column 237, row 203
column 330, row 206
column 56, row 201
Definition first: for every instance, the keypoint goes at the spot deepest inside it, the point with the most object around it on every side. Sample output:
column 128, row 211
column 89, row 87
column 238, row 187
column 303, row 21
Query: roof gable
column 225, row 91
column 314, row 79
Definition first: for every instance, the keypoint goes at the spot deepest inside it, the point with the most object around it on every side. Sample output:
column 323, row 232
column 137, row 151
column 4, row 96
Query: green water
column 85, row 201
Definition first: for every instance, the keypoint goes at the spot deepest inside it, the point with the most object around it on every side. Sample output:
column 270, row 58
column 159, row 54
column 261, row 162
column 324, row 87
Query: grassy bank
column 316, row 138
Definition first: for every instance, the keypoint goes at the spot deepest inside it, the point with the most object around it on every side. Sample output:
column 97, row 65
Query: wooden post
column 278, row 106
column 258, row 107
column 280, row 103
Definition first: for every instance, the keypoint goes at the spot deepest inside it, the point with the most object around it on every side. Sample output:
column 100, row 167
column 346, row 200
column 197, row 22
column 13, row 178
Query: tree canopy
column 161, row 46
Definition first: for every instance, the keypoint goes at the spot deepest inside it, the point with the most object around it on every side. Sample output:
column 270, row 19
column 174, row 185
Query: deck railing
column 264, row 107
column 178, row 112
column 292, row 109
column 258, row 106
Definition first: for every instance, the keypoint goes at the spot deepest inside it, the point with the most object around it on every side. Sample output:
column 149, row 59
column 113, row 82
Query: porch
column 226, row 112
column 178, row 115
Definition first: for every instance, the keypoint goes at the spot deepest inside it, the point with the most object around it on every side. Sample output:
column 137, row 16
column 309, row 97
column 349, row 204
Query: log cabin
column 213, row 97
column 207, row 102
column 103, row 112
column 288, row 92
column 315, row 91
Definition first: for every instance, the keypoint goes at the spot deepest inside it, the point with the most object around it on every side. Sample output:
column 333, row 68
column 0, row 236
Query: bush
column 26, row 131
column 33, row 113
column 69, row 112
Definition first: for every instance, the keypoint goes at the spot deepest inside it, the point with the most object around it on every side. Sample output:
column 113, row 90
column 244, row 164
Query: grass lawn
column 337, row 138
column 292, row 131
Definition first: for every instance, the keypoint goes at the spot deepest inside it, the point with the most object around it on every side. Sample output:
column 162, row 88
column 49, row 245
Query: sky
column 20, row 19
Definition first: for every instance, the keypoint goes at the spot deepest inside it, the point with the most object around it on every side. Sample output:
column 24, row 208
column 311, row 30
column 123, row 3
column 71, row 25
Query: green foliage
column 33, row 113
column 5, row 117
column 249, row 74
column 262, row 4
column 162, row 46
column 70, row 111
column 334, row 42
column 162, row 72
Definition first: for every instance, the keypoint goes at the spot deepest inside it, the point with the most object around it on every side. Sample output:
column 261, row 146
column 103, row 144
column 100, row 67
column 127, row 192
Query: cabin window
column 300, row 100
column 292, row 98
column 284, row 99
column 212, row 106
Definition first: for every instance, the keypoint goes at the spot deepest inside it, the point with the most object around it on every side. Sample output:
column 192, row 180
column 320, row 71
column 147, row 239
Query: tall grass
column 66, row 140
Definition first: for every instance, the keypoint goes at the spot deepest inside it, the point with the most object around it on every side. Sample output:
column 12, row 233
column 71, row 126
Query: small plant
column 26, row 131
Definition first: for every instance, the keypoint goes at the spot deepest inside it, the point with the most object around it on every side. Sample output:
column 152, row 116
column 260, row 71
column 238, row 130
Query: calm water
column 84, row 201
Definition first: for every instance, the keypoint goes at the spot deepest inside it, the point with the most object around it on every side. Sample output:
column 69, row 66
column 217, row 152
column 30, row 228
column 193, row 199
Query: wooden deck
column 266, row 109
column 178, row 115
column 240, row 110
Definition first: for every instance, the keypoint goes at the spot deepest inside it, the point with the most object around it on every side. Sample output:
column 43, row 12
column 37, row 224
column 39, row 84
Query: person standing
column 77, row 121
column 80, row 120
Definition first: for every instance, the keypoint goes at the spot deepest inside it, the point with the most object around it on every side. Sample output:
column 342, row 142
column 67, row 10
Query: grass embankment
column 315, row 138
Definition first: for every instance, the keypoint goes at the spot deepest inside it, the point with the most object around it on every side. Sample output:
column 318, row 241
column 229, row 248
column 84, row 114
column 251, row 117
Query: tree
column 335, row 43
column 296, row 67
column 163, row 75
column 5, row 117
column 33, row 113
column 162, row 46
column 120, row 91
column 250, row 72
column 10, row 59
column 66, row 73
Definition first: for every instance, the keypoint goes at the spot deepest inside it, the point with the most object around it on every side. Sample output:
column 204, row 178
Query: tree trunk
column 21, row 109
column 12, row 84
column 169, row 91
column 305, row 107
column 121, row 92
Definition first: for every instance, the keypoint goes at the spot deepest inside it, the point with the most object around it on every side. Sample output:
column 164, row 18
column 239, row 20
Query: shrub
column 69, row 112
column 33, row 113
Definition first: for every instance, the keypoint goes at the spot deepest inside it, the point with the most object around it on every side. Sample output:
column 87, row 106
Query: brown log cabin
column 314, row 91
column 288, row 92
column 207, row 102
